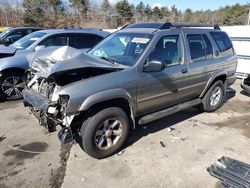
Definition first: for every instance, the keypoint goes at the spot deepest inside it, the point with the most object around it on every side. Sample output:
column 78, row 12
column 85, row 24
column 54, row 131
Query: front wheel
column 104, row 133
column 12, row 85
column 214, row 97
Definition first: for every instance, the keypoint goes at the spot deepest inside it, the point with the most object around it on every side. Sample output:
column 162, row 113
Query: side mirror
column 39, row 47
column 153, row 66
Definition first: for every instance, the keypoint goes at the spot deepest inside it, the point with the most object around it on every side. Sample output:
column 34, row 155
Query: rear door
column 200, row 59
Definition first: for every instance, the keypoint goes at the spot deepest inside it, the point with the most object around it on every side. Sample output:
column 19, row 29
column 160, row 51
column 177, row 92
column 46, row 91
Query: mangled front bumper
column 35, row 100
column 48, row 114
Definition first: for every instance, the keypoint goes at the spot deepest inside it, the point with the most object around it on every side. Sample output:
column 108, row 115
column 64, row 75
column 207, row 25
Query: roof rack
column 169, row 25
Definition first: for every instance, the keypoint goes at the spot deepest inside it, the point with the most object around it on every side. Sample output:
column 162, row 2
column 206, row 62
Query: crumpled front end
column 51, row 71
column 40, row 95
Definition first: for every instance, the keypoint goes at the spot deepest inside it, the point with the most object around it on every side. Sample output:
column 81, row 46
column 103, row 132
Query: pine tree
column 124, row 9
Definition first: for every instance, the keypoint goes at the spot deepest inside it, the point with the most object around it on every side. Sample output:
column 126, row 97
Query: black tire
column 215, row 93
column 8, row 78
column 93, row 132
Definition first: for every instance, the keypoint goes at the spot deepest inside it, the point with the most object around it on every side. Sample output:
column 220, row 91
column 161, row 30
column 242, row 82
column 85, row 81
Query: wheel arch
column 115, row 97
column 215, row 77
column 15, row 69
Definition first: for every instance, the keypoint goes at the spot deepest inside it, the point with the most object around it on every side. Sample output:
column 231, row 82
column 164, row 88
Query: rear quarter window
column 223, row 42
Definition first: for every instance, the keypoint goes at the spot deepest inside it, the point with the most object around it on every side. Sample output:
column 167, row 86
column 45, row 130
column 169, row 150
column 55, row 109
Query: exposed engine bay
column 52, row 69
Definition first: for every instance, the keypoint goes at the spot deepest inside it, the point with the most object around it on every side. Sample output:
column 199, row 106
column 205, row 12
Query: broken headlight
column 63, row 101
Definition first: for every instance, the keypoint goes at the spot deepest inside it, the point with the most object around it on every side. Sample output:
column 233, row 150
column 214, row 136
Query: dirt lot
column 153, row 157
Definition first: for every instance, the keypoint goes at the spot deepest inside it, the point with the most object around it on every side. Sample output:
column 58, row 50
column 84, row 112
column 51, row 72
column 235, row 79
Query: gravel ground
column 172, row 152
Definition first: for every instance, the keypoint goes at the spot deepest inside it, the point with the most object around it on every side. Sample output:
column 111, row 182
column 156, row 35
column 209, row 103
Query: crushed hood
column 7, row 50
column 57, row 59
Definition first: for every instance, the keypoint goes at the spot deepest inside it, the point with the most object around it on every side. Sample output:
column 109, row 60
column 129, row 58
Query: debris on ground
column 170, row 129
column 121, row 152
column 84, row 179
column 2, row 138
column 231, row 172
column 162, row 144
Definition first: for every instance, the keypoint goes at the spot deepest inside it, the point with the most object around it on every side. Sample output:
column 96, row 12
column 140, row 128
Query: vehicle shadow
column 158, row 125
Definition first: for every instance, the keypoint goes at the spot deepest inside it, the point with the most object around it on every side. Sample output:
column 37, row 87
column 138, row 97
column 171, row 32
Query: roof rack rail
column 169, row 25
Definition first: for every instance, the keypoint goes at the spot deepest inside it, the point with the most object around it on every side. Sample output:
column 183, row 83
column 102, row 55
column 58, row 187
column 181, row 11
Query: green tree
column 157, row 13
column 57, row 5
column 148, row 11
column 124, row 10
column 33, row 12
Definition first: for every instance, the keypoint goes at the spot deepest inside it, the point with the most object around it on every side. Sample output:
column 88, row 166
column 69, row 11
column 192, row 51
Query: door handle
column 185, row 70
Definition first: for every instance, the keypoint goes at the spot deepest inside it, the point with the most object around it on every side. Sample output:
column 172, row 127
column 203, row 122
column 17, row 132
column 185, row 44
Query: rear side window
column 85, row 41
column 200, row 47
column 223, row 42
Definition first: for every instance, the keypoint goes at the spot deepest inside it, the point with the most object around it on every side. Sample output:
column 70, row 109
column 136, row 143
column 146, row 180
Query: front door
column 158, row 90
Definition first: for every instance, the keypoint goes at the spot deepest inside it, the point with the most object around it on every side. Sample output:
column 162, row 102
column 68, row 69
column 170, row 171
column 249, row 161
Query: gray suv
column 138, row 74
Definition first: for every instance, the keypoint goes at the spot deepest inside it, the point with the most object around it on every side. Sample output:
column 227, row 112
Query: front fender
column 18, row 61
column 107, row 95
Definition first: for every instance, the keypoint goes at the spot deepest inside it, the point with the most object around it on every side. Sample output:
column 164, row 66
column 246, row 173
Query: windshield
column 4, row 32
column 122, row 48
column 28, row 40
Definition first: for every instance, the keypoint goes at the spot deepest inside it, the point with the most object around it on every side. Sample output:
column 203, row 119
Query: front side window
column 123, row 48
column 223, row 42
column 168, row 50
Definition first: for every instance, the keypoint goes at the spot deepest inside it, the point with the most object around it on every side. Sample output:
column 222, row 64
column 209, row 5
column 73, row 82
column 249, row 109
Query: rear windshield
column 223, row 42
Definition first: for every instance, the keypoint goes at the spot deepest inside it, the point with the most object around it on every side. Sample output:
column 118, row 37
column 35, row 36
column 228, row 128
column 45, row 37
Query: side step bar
column 169, row 111
column 232, row 173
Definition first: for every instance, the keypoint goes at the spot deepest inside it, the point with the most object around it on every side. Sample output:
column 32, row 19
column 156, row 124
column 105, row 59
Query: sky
column 194, row 5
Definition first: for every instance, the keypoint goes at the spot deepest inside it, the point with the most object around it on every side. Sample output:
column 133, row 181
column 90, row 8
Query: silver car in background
column 13, row 61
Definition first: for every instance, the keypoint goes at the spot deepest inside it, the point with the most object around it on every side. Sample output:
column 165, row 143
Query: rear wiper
column 109, row 60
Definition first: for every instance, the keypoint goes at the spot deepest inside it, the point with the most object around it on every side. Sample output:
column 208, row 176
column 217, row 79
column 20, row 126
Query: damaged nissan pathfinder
column 138, row 74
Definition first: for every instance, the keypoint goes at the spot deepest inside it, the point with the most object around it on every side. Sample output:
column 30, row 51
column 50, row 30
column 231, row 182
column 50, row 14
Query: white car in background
column 240, row 36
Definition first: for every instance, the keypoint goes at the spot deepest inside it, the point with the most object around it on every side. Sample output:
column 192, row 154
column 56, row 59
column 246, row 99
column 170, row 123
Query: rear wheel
column 214, row 97
column 104, row 133
column 12, row 85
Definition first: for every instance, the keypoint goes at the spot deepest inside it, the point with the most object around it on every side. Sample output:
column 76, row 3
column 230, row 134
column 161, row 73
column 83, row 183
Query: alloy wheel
column 12, row 87
column 108, row 134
